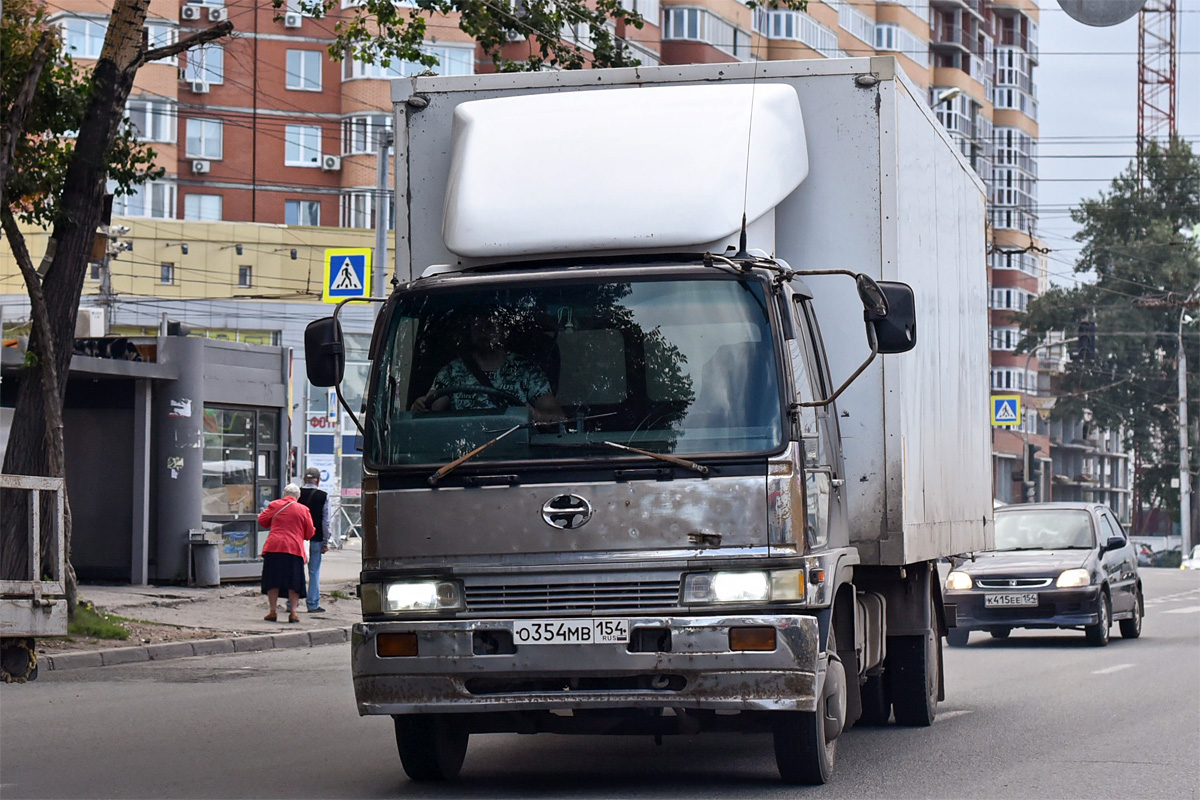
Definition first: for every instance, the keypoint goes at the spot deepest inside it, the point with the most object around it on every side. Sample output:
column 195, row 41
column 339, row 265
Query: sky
column 1087, row 106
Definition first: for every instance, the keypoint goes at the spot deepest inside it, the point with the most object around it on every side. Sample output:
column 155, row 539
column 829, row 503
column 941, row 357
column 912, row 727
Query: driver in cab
column 490, row 376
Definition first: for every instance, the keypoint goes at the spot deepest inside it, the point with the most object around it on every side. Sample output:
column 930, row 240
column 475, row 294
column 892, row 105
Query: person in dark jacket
column 317, row 502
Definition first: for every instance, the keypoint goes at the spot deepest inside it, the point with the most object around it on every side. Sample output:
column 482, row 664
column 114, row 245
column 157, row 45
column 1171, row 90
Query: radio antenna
column 742, row 254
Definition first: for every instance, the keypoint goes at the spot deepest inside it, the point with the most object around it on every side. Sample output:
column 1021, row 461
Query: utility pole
column 1185, row 462
column 382, row 217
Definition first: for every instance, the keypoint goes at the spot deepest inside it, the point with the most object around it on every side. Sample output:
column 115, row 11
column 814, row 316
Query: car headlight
column 1074, row 577
column 398, row 597
column 760, row 586
column 958, row 581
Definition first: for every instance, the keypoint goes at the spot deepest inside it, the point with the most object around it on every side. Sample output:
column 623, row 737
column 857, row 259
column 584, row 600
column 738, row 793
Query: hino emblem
column 566, row 512
column 1012, row 583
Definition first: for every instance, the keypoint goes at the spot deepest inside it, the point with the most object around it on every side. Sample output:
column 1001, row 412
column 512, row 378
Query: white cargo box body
column 886, row 193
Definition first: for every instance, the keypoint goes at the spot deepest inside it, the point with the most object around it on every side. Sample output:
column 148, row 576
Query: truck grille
column 1013, row 583
column 582, row 596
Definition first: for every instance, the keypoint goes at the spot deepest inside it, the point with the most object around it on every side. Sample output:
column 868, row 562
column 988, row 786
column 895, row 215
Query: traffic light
column 1087, row 340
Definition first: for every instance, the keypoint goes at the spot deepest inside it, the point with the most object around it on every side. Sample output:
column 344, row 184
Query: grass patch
column 339, row 595
column 90, row 622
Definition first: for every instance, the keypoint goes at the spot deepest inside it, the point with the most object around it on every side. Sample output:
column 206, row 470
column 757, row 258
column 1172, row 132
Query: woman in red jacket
column 283, row 553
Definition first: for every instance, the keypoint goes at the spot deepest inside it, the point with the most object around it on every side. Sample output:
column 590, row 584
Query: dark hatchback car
column 1055, row 565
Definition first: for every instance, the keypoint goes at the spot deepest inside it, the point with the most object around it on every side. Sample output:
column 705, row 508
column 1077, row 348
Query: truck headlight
column 1074, row 577
column 760, row 586
column 958, row 581
column 398, row 597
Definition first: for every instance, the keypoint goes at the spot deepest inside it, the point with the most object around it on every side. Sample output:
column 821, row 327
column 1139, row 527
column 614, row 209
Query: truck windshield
column 667, row 366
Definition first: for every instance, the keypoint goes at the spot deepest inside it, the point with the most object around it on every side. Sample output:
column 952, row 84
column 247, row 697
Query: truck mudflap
column 691, row 666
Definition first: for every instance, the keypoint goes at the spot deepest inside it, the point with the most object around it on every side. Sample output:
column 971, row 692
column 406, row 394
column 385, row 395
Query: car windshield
column 1043, row 529
column 682, row 366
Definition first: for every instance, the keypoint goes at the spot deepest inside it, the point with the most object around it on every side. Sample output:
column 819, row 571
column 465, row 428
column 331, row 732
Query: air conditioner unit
column 190, row 12
column 89, row 323
column 292, row 19
column 200, row 167
column 218, row 14
column 200, row 87
column 331, row 163
column 516, row 36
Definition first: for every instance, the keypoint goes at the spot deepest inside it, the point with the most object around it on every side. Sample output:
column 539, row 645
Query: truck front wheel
column 18, row 660
column 806, row 741
column 432, row 746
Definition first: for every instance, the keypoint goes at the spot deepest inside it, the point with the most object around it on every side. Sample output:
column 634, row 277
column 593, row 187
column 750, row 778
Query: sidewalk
column 223, row 619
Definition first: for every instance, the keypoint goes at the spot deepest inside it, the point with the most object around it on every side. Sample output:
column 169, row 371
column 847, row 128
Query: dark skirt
column 283, row 571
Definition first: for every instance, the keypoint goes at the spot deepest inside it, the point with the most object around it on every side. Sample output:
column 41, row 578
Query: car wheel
column 1132, row 628
column 958, row 637
column 1097, row 635
column 1000, row 633
column 432, row 747
column 806, row 741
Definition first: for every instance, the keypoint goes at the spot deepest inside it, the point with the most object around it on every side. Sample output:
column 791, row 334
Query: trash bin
column 206, row 558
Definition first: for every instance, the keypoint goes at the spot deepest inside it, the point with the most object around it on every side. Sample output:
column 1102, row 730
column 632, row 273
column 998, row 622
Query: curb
column 200, row 647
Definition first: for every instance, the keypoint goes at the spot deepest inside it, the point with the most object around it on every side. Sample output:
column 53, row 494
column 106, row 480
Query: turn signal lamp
column 758, row 637
column 391, row 645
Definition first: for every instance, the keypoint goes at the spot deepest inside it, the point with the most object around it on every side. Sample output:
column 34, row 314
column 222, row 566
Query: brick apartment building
column 265, row 127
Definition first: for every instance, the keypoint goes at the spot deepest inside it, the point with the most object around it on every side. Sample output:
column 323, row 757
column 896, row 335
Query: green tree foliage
column 554, row 34
column 47, row 144
column 1139, row 246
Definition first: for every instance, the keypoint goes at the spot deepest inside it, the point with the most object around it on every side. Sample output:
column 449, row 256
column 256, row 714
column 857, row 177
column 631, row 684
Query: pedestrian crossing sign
column 1006, row 410
column 347, row 273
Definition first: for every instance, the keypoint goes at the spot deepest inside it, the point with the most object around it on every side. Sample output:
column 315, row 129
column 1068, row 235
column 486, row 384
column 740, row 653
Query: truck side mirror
column 896, row 329
column 324, row 352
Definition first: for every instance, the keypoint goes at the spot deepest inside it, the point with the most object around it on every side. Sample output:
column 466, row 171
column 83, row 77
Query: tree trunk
column 79, row 214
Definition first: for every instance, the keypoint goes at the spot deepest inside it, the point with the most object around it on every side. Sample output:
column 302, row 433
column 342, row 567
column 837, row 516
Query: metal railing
column 35, row 586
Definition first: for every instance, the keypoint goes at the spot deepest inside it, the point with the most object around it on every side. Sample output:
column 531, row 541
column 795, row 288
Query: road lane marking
column 1114, row 668
column 952, row 714
column 1188, row 610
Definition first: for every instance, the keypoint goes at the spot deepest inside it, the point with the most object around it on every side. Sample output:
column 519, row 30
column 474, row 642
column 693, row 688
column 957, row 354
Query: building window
column 452, row 60
column 1005, row 338
column 358, row 209
column 161, row 34
column 302, row 212
column 648, row 9
column 302, row 145
column 244, row 277
column 205, row 64
column 202, row 207
column 153, row 121
column 701, row 25
column 893, row 38
column 360, row 134
column 85, row 37
column 304, row 70
column 856, row 23
column 155, row 199
column 204, row 138
column 166, row 273
column 798, row 26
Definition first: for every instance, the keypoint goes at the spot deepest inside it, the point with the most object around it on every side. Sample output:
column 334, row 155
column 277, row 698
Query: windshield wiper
column 1015, row 549
column 456, row 463
column 683, row 462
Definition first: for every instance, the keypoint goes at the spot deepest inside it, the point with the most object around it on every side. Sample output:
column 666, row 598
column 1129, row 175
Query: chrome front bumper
column 699, row 672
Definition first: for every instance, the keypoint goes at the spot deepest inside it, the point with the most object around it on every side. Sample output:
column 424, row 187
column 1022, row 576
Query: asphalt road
column 1040, row 715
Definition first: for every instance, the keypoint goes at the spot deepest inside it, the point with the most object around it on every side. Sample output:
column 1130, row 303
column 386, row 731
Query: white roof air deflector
column 619, row 169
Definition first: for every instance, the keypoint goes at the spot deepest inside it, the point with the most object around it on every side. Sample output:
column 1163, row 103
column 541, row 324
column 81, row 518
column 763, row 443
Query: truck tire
column 958, row 637
column 1132, row 628
column 806, row 741
column 18, row 660
column 914, row 662
column 876, row 701
column 1097, row 635
column 432, row 746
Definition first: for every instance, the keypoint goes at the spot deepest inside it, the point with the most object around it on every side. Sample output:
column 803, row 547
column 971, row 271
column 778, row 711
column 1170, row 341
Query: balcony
column 975, row 7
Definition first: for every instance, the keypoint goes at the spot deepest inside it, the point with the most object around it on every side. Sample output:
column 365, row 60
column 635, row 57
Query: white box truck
column 651, row 444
